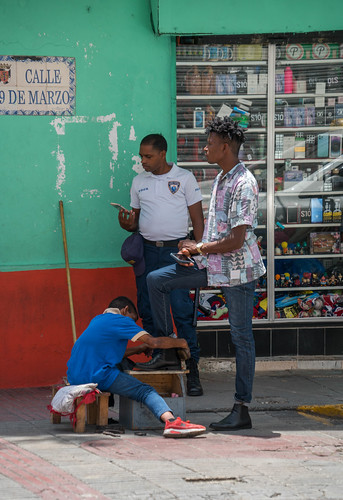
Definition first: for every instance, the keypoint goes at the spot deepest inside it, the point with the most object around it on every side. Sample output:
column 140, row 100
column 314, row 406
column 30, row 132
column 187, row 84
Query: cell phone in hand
column 181, row 258
column 118, row 206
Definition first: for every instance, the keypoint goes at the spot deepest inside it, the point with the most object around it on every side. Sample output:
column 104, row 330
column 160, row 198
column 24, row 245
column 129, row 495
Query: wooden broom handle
column 68, row 272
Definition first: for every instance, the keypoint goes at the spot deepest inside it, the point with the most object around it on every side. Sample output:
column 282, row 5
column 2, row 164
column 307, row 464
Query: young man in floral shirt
column 228, row 257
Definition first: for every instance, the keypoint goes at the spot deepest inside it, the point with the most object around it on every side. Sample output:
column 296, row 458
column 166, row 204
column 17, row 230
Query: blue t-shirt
column 98, row 350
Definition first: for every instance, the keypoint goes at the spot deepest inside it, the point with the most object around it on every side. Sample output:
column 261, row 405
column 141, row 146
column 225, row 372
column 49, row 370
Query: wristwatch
column 199, row 247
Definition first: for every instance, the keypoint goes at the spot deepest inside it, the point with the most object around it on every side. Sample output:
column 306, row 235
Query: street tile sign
column 37, row 85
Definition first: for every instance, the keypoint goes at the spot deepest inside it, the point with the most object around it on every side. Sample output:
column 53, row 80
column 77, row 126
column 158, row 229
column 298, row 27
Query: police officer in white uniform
column 162, row 199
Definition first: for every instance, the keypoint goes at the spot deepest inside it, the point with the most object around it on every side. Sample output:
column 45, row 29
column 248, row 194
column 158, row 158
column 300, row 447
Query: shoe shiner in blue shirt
column 101, row 348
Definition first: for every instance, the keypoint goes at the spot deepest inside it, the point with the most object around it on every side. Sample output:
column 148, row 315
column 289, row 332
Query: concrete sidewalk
column 287, row 454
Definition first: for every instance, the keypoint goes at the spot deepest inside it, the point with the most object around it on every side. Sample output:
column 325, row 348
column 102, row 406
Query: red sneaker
column 180, row 429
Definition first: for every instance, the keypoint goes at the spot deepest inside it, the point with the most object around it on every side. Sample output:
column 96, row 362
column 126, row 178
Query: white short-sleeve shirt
column 163, row 201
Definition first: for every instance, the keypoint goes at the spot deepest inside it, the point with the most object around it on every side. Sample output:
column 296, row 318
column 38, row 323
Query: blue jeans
column 181, row 304
column 130, row 387
column 240, row 305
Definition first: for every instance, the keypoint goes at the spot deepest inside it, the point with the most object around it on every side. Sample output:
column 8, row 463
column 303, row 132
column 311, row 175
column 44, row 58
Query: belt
column 170, row 243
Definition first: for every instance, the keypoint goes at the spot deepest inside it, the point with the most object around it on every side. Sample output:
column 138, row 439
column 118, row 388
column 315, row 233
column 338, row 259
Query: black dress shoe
column 239, row 418
column 162, row 361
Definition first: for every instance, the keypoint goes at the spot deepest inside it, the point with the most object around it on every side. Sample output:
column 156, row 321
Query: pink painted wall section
column 35, row 325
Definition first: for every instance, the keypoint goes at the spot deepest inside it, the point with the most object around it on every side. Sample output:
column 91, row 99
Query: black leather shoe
column 239, row 418
column 162, row 361
column 193, row 382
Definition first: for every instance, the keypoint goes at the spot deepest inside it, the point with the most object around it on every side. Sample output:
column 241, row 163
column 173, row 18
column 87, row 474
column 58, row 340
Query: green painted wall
column 229, row 17
column 124, row 84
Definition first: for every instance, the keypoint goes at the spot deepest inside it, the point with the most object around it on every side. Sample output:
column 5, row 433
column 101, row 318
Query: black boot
column 193, row 383
column 165, row 360
column 239, row 418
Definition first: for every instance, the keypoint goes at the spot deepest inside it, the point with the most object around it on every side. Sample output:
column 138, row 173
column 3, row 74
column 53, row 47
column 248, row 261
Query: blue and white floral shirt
column 234, row 201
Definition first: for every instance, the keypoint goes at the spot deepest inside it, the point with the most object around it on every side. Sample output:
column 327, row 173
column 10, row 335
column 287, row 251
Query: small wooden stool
column 97, row 412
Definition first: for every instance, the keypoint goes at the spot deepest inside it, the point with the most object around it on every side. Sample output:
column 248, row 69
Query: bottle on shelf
column 327, row 212
column 288, row 80
column 337, row 212
column 327, row 183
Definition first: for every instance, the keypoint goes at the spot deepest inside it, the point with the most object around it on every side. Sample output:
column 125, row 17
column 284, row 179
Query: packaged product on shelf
column 299, row 147
column 288, row 146
column 292, row 177
column 258, row 118
column 252, row 83
column 305, row 211
column 319, row 116
column 325, row 243
column 231, row 81
column 335, row 145
column 226, row 52
column 337, row 212
column 208, row 83
column 193, row 81
column 241, row 81
column 205, row 52
column 279, row 81
column 252, row 52
column 298, row 116
column 198, row 118
column 323, row 145
column 279, row 146
column 288, row 116
column 259, row 146
column 339, row 112
column 279, row 116
column 221, row 84
column 327, row 212
column 299, row 86
column 329, row 114
column 242, row 119
column 310, row 116
column 334, row 79
column 310, row 145
column 327, row 186
column 213, row 52
column 262, row 83
column 316, row 210
column 337, row 178
column 224, row 110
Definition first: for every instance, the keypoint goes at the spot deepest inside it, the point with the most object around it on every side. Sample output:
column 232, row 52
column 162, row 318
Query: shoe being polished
column 161, row 361
column 239, row 418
